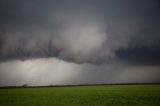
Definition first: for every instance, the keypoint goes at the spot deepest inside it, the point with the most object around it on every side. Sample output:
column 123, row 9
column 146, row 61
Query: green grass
column 107, row 95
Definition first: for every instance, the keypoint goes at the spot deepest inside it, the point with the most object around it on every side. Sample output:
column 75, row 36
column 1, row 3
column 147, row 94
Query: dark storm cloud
column 140, row 56
column 79, row 31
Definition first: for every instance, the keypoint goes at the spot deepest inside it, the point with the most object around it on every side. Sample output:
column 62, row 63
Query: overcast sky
column 57, row 42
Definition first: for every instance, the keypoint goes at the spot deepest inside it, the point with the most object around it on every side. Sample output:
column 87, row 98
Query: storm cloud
column 86, row 31
column 93, row 32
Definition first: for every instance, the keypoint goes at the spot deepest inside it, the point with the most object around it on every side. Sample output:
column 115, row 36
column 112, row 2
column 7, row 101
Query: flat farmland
column 98, row 95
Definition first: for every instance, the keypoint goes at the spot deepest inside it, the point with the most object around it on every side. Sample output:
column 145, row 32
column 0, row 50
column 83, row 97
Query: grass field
column 107, row 95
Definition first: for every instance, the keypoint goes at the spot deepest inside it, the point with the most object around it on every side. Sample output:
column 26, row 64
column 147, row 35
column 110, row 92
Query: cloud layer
column 45, row 42
column 77, row 31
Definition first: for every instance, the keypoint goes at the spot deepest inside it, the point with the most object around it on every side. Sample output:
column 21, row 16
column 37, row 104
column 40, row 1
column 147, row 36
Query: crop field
column 100, row 95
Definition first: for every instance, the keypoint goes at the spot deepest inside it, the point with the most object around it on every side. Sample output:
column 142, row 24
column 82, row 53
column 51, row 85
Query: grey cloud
column 115, row 41
column 81, row 32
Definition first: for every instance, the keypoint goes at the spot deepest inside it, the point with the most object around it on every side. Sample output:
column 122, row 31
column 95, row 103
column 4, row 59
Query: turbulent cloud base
column 77, row 31
column 71, row 42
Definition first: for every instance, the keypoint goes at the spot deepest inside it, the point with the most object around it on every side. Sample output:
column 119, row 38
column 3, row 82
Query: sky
column 70, row 42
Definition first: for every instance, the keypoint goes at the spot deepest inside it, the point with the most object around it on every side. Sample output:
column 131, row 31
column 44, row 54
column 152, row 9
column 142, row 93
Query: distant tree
column 51, row 85
column 25, row 85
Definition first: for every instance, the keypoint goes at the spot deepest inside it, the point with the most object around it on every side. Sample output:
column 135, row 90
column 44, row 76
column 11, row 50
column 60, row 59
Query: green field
column 107, row 95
